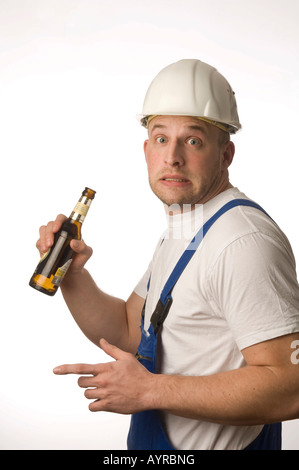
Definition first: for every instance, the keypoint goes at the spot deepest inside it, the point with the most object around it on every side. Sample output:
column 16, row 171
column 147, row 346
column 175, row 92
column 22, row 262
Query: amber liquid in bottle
column 54, row 264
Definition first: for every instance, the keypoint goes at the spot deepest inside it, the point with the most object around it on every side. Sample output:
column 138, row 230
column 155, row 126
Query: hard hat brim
column 231, row 128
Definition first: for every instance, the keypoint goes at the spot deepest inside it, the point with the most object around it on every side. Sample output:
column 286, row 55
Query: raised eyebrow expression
column 187, row 129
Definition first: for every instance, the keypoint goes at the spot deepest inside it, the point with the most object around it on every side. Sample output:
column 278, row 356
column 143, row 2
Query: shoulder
column 246, row 227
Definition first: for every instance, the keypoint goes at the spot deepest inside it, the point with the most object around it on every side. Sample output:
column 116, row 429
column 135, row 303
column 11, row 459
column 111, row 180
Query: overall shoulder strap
column 165, row 300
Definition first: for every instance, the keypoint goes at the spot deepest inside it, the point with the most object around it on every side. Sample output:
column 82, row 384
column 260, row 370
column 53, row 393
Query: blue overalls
column 146, row 431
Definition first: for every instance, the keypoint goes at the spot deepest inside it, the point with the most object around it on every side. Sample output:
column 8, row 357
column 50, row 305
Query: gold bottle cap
column 90, row 193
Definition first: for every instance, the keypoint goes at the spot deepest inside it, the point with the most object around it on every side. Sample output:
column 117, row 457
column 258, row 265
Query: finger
column 82, row 254
column 41, row 242
column 114, row 351
column 47, row 232
column 89, row 381
column 54, row 226
column 98, row 405
column 93, row 393
column 58, row 222
column 80, row 247
column 85, row 369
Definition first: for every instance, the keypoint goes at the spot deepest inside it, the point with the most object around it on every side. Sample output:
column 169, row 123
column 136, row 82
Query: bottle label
column 81, row 209
column 60, row 273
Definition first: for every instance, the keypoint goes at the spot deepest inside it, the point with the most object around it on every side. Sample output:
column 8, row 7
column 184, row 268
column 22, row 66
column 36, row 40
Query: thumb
column 113, row 351
column 80, row 247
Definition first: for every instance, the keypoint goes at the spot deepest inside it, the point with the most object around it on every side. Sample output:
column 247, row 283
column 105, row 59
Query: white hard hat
column 190, row 87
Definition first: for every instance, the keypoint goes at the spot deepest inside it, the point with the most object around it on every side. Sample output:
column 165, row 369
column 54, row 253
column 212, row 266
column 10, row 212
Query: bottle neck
column 81, row 209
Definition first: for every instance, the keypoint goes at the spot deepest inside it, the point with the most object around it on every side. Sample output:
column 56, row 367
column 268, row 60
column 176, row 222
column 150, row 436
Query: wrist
column 72, row 277
column 157, row 390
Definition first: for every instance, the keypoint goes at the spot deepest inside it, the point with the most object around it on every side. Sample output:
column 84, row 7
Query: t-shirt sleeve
column 254, row 287
column 141, row 288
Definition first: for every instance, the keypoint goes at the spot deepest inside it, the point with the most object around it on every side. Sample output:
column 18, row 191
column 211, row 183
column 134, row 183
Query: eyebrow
column 196, row 127
column 193, row 127
column 158, row 126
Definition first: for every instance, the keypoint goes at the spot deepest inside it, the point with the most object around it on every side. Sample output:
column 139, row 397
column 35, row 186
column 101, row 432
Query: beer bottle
column 54, row 264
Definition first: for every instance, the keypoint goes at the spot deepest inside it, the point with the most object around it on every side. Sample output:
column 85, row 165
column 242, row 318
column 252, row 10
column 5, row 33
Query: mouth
column 175, row 180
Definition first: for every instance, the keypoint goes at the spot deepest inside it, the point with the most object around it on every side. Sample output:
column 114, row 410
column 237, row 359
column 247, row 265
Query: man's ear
column 144, row 148
column 228, row 153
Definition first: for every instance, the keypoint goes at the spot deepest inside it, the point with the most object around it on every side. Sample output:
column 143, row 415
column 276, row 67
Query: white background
column 73, row 74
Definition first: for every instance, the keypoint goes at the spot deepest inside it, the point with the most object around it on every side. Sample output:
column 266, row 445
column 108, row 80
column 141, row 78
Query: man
column 221, row 316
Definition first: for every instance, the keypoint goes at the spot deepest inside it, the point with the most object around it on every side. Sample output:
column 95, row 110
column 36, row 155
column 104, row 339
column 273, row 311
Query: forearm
column 248, row 396
column 255, row 394
column 97, row 313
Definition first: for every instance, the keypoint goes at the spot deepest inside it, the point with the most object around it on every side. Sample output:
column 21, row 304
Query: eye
column 193, row 141
column 161, row 140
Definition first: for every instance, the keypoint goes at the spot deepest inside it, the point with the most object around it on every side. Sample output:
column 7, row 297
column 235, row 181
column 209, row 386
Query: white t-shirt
column 240, row 288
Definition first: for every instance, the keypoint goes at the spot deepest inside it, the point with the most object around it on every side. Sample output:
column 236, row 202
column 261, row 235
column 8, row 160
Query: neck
column 174, row 209
column 219, row 185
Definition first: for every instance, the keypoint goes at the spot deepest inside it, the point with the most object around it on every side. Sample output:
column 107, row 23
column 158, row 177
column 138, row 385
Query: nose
column 174, row 154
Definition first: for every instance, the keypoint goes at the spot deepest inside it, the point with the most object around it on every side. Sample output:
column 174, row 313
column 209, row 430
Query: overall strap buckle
column 160, row 313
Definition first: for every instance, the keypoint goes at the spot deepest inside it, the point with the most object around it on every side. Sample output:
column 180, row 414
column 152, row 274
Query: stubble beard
column 191, row 198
